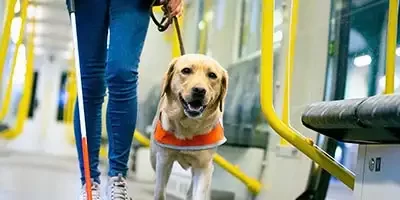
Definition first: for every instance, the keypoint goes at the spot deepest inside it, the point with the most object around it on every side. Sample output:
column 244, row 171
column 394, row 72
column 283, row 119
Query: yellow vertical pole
column 70, row 106
column 391, row 40
column 7, row 97
column 5, row 39
column 289, row 66
column 66, row 105
column 71, row 92
column 73, row 95
column 24, row 104
column 266, row 99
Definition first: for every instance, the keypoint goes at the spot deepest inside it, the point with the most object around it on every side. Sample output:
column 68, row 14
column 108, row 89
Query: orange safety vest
column 210, row 140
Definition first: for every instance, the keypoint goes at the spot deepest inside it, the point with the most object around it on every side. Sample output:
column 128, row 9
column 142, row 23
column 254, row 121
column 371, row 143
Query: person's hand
column 176, row 7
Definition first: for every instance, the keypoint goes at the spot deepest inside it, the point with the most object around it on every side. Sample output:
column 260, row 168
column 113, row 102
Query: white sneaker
column 116, row 188
column 96, row 194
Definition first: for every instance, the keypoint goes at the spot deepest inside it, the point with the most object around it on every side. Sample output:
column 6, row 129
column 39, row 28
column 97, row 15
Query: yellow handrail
column 266, row 98
column 391, row 43
column 71, row 97
column 5, row 39
column 24, row 104
column 74, row 96
column 289, row 66
column 71, row 100
column 7, row 97
column 66, row 105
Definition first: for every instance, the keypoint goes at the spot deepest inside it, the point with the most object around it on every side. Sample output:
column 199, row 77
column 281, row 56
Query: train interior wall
column 231, row 37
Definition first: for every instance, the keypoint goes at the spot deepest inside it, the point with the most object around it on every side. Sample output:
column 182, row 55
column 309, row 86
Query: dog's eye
column 212, row 75
column 186, row 70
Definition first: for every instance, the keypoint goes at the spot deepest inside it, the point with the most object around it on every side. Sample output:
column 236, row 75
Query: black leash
column 166, row 21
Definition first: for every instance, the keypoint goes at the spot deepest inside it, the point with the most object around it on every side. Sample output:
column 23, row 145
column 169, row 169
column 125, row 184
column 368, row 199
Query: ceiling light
column 39, row 28
column 17, row 7
column 20, row 66
column 15, row 28
column 398, row 51
column 362, row 61
column 35, row 11
column 201, row 25
column 66, row 54
column 209, row 16
column 278, row 18
column 278, row 35
column 39, row 50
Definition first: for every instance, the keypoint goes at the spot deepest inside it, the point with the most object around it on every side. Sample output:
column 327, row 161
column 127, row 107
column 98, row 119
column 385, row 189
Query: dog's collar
column 212, row 139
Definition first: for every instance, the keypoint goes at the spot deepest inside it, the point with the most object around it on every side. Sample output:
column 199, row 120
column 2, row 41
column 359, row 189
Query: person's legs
column 129, row 21
column 92, row 25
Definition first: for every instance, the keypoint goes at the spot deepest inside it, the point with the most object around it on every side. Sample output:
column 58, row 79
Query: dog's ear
column 165, row 86
column 224, row 90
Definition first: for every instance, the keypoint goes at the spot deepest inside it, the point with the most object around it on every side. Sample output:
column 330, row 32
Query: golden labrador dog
column 188, row 124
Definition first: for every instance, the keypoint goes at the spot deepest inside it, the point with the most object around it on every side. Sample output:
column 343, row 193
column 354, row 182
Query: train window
column 244, row 123
column 367, row 49
column 250, row 27
column 211, row 18
column 205, row 7
column 33, row 101
column 62, row 97
column 250, row 30
column 380, row 81
column 356, row 59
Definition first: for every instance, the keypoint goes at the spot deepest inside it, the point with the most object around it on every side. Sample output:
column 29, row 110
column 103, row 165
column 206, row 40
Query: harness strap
column 209, row 140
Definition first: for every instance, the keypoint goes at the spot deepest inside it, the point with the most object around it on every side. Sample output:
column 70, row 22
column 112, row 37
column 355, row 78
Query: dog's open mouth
column 193, row 108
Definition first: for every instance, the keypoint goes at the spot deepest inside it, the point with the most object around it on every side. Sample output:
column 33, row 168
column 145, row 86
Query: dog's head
column 197, row 82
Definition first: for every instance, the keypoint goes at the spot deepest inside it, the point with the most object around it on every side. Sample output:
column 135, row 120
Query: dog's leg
column 201, row 181
column 189, row 194
column 153, row 156
column 163, row 171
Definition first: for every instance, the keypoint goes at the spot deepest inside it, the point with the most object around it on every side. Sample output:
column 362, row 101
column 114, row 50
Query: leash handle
column 166, row 21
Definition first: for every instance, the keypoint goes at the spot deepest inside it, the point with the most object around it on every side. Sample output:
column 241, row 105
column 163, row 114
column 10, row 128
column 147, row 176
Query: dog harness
column 210, row 140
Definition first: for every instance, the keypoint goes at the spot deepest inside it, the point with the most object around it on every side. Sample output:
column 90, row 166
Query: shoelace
column 95, row 193
column 119, row 190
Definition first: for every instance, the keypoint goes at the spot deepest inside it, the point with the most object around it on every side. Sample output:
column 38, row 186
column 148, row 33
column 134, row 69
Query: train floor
column 44, row 177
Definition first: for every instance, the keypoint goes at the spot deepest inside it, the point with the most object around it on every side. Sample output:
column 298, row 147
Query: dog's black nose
column 198, row 91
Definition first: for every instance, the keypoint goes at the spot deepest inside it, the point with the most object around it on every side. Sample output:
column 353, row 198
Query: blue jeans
column 117, row 68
